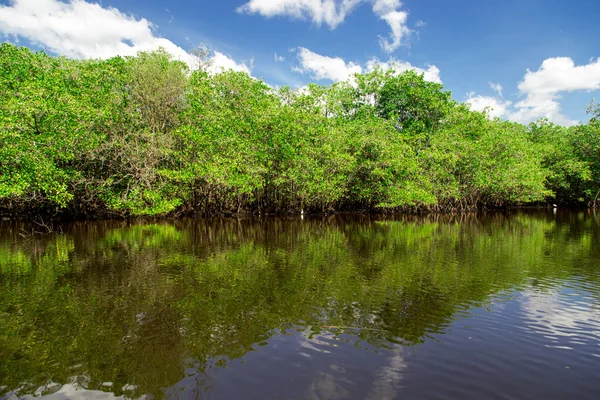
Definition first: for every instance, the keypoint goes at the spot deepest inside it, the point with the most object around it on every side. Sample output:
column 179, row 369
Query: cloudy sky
column 525, row 58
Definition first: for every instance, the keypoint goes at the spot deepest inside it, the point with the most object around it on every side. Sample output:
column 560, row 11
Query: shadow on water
column 217, row 308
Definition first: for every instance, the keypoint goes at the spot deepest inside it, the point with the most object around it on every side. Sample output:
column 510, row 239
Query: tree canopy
column 145, row 135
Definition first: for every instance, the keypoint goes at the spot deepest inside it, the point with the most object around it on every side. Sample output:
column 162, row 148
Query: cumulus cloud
column 334, row 12
column 330, row 12
column 542, row 89
column 323, row 67
column 336, row 69
column 432, row 73
column 494, row 106
column 220, row 62
column 81, row 29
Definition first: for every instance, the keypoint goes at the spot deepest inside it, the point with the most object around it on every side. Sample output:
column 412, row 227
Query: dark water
column 471, row 307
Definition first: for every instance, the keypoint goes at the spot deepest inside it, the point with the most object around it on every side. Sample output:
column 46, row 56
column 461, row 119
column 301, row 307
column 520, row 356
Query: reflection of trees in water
column 131, row 302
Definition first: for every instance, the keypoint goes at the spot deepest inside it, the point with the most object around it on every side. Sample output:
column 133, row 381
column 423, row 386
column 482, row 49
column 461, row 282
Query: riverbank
column 45, row 219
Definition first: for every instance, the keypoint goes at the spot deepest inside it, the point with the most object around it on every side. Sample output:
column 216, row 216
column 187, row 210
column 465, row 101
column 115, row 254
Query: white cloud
column 494, row 106
column 336, row 69
column 220, row 62
column 330, row 12
column 302, row 90
column 541, row 91
column 80, row 29
column 387, row 10
column 381, row 7
column 496, row 87
column 561, row 74
column 323, row 67
column 432, row 73
column 278, row 58
column 542, row 88
column 334, row 12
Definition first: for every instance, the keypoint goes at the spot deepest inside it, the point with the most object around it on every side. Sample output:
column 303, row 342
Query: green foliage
column 144, row 135
column 569, row 172
column 587, row 149
column 414, row 103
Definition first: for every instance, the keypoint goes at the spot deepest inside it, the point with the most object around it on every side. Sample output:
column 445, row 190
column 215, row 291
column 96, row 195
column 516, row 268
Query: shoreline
column 41, row 218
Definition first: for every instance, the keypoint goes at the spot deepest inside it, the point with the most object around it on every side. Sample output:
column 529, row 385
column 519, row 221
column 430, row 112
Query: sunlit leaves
column 145, row 135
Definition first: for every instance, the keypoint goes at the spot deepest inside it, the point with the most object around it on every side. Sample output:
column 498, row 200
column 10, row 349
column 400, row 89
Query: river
column 487, row 306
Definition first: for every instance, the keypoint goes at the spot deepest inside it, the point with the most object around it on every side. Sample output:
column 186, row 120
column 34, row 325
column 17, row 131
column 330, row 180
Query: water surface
column 499, row 306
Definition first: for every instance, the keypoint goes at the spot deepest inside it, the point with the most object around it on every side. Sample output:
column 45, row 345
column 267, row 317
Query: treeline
column 145, row 135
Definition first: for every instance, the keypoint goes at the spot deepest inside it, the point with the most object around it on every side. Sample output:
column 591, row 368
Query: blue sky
column 472, row 47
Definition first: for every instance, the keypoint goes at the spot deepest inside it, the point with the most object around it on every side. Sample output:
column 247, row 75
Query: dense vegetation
column 146, row 136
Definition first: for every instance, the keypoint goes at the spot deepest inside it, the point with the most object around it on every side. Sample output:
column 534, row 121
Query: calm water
column 472, row 307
